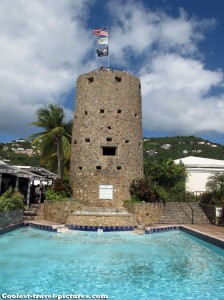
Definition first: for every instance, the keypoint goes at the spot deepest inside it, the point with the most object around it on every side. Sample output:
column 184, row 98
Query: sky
column 175, row 47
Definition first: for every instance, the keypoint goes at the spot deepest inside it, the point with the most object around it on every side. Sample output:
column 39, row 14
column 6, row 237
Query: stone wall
column 145, row 213
column 102, row 220
column 58, row 211
column 11, row 217
column 71, row 212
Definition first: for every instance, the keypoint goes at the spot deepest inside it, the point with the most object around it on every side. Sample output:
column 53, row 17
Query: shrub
column 50, row 194
column 142, row 190
column 11, row 200
column 62, row 187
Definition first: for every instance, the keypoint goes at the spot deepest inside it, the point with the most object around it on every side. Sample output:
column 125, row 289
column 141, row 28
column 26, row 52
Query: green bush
column 211, row 198
column 142, row 190
column 11, row 200
column 50, row 194
column 62, row 187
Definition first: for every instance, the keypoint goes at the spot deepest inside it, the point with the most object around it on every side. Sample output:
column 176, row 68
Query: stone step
column 63, row 230
column 181, row 213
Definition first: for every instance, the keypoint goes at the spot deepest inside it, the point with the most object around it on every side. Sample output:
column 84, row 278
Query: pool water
column 122, row 265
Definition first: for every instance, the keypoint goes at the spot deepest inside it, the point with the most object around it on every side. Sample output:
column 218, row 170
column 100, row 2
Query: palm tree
column 215, row 184
column 54, row 143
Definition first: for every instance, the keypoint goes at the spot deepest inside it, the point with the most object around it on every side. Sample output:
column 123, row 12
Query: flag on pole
column 103, row 41
column 99, row 32
column 102, row 51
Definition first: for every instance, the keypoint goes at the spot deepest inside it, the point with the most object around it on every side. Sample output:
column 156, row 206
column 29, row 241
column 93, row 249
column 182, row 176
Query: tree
column 167, row 178
column 166, row 174
column 215, row 184
column 54, row 144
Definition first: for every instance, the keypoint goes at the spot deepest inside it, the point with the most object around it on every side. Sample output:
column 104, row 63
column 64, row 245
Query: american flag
column 99, row 32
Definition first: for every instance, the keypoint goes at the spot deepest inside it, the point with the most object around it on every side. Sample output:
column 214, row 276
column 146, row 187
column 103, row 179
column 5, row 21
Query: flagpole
column 108, row 60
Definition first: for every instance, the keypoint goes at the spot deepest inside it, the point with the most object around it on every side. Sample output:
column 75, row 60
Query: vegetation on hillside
column 18, row 158
column 180, row 146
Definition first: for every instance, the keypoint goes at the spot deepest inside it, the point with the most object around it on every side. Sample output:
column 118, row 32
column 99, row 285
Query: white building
column 199, row 169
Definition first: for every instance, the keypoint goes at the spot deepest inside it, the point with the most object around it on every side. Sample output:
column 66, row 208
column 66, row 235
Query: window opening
column 101, row 111
column 90, row 79
column 109, row 127
column 109, row 151
column 119, row 167
column 127, row 141
column 86, row 112
column 87, row 140
column 98, row 167
column 119, row 111
column 118, row 79
column 108, row 139
column 80, row 168
column 136, row 115
column 75, row 142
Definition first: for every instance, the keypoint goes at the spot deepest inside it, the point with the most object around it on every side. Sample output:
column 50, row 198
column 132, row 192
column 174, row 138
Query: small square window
column 136, row 115
column 86, row 112
column 87, row 140
column 80, row 168
column 101, row 111
column 127, row 141
column 108, row 139
column 119, row 111
column 109, row 151
column 119, row 167
column 98, row 167
column 90, row 79
column 109, row 127
column 75, row 142
column 118, row 79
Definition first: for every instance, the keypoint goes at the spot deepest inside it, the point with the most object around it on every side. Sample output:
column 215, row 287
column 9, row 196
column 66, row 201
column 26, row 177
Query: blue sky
column 175, row 47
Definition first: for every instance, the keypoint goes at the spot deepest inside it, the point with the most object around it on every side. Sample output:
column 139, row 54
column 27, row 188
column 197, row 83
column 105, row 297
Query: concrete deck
column 208, row 229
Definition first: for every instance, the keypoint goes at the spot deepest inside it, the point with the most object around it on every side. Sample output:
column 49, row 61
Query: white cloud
column 43, row 45
column 175, row 83
column 175, row 96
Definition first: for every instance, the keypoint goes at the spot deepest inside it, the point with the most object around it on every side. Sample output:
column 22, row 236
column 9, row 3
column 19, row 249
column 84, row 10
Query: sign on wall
column 106, row 192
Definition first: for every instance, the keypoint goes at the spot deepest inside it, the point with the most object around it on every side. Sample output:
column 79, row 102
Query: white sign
column 218, row 212
column 106, row 192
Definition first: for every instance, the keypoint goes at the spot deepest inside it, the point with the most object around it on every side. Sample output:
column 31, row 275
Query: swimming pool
column 121, row 265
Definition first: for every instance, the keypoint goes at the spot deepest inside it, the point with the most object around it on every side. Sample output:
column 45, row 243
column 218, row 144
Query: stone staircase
column 101, row 216
column 183, row 213
column 35, row 212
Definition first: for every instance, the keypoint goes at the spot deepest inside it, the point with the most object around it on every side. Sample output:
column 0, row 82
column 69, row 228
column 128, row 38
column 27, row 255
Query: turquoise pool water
column 169, row 265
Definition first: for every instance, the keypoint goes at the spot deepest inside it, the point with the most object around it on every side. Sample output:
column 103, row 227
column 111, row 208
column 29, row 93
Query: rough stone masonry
column 107, row 148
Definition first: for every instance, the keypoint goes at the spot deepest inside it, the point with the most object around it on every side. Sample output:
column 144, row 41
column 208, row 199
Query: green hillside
column 179, row 147
column 14, row 153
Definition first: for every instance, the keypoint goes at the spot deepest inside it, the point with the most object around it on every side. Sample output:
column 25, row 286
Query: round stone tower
column 107, row 149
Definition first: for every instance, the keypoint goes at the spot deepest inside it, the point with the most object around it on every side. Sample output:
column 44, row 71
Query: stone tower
column 107, row 149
